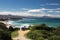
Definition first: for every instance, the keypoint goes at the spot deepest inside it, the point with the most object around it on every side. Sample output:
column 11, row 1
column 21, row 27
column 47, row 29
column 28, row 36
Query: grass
column 14, row 33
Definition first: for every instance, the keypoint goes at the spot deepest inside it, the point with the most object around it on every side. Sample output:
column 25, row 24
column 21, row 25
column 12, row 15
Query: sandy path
column 23, row 32
column 21, row 35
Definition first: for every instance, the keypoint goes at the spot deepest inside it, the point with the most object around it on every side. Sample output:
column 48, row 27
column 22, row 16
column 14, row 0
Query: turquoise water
column 53, row 22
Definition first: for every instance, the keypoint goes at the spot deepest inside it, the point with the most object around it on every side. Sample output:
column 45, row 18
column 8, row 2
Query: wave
column 10, row 22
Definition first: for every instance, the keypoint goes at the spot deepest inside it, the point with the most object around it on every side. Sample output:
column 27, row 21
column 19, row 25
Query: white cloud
column 50, row 9
column 35, row 12
column 52, row 4
column 55, row 11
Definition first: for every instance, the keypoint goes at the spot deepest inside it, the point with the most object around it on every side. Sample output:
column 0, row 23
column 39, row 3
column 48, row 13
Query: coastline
column 6, row 23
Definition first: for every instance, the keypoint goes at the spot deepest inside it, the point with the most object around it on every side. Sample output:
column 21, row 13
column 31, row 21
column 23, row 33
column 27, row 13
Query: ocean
column 51, row 22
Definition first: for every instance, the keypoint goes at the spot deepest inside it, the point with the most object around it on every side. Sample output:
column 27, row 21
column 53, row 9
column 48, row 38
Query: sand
column 21, row 35
column 23, row 32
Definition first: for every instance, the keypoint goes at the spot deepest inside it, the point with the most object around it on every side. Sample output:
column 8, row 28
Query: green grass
column 14, row 34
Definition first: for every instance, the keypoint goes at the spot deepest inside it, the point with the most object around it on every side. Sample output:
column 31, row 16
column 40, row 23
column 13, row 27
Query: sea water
column 52, row 22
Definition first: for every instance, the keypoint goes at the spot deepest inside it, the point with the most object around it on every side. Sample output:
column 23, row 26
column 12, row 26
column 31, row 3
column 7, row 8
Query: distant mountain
column 15, row 17
column 49, row 17
column 41, row 17
column 46, row 17
column 10, row 17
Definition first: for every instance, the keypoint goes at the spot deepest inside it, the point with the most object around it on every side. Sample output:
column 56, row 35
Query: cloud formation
column 50, row 4
column 35, row 12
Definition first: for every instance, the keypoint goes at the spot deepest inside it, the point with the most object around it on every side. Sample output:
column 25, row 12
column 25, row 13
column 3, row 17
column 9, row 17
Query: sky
column 37, row 8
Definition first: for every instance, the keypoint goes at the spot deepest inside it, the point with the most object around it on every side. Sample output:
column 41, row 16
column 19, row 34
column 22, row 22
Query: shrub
column 34, row 34
column 40, row 38
column 3, row 26
column 4, row 32
column 57, row 31
column 14, row 34
column 11, row 28
column 4, row 35
column 41, row 27
column 43, row 32
column 54, row 38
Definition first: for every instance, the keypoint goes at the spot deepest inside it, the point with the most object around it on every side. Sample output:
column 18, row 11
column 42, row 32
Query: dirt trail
column 21, row 35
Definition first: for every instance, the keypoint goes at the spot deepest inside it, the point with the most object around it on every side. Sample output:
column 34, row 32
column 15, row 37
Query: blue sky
column 30, row 7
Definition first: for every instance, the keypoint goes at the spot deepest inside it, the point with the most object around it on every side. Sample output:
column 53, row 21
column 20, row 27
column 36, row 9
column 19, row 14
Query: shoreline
column 9, row 23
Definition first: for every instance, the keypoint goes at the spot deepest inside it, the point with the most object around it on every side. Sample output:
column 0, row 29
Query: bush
column 54, row 38
column 4, row 32
column 14, row 31
column 11, row 28
column 14, row 34
column 4, row 35
column 40, row 38
column 57, row 31
column 41, row 27
column 3, row 26
column 40, row 32
column 43, row 32
column 34, row 34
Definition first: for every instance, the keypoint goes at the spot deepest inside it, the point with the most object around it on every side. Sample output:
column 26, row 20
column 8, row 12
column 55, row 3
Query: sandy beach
column 6, row 23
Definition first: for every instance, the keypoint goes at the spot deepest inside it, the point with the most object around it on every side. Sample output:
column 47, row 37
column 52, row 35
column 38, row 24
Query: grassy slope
column 14, row 33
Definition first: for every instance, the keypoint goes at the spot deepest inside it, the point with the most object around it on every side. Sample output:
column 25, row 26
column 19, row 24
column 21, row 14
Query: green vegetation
column 14, row 34
column 37, row 32
column 4, row 32
column 3, row 26
column 43, row 32
column 7, row 34
column 11, row 28
column 14, row 31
